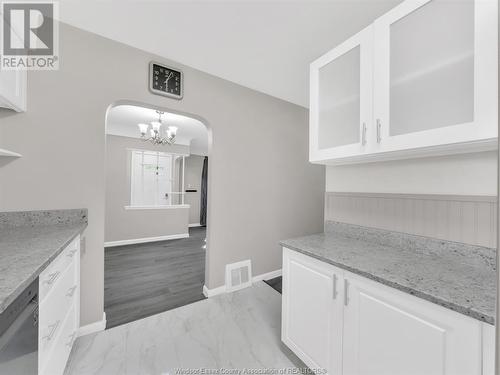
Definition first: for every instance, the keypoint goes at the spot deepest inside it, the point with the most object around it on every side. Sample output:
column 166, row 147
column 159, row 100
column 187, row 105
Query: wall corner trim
column 146, row 239
column 214, row 292
column 93, row 327
column 222, row 289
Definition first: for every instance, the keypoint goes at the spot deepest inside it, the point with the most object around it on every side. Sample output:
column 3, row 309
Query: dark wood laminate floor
column 146, row 279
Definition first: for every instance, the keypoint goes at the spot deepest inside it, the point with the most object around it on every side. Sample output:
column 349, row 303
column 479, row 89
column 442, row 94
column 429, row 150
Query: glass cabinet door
column 429, row 70
column 341, row 99
column 432, row 67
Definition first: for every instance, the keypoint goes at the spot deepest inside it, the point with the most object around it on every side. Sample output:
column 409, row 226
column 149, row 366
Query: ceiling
column 263, row 45
column 123, row 119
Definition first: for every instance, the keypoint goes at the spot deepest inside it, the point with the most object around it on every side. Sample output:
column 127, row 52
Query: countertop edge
column 405, row 289
column 21, row 287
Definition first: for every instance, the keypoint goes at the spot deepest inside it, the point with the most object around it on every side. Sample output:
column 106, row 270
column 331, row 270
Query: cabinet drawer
column 49, row 277
column 53, row 310
column 56, row 359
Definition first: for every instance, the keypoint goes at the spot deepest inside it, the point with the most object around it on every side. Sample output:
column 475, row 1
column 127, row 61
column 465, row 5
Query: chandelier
column 155, row 133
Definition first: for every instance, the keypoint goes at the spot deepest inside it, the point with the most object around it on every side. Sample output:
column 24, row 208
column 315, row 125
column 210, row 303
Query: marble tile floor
column 239, row 330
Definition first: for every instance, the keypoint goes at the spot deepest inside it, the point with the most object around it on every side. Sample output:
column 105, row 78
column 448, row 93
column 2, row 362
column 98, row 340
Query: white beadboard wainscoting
column 461, row 218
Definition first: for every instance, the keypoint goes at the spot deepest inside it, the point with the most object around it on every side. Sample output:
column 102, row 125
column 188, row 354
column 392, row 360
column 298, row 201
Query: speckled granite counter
column 29, row 241
column 457, row 276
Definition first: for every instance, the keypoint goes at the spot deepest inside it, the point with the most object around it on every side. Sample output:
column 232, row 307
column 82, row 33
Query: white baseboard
column 267, row 276
column 213, row 292
column 222, row 289
column 146, row 239
column 194, row 225
column 93, row 327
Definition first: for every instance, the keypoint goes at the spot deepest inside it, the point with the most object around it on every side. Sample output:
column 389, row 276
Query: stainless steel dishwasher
column 19, row 334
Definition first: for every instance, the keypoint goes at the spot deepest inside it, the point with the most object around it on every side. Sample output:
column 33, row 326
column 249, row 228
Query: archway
column 155, row 244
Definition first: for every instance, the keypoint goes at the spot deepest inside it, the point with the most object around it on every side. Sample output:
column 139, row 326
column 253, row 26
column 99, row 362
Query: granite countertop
column 457, row 276
column 29, row 241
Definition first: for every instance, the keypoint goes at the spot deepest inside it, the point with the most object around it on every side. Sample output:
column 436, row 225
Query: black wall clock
column 165, row 81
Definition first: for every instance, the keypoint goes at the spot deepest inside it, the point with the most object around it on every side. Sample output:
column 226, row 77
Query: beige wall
column 466, row 174
column 122, row 224
column 194, row 167
column 261, row 187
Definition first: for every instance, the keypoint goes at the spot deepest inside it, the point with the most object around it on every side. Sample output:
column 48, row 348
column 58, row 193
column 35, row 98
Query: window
column 156, row 178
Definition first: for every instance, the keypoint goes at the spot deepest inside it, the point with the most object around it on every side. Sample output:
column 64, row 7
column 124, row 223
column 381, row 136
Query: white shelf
column 8, row 153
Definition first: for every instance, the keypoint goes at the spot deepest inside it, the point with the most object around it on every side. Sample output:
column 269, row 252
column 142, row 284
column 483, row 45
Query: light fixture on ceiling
column 155, row 132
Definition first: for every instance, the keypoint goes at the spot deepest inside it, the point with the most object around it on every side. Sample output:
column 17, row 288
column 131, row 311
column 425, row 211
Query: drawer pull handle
column 52, row 277
column 71, row 291
column 379, row 131
column 334, row 286
column 72, row 338
column 72, row 253
column 346, row 292
column 363, row 134
column 52, row 331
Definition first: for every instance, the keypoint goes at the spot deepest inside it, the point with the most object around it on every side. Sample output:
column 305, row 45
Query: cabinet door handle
column 363, row 134
column 334, row 286
column 346, row 292
column 379, row 131
column 52, row 277
column 71, row 291
column 52, row 331
column 71, row 339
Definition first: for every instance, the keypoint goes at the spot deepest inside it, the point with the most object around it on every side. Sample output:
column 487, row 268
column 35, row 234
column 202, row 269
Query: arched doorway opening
column 156, row 210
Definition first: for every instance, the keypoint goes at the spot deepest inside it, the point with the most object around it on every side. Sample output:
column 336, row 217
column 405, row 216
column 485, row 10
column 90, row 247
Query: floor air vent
column 238, row 275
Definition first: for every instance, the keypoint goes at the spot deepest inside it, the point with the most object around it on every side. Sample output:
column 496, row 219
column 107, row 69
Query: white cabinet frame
column 364, row 40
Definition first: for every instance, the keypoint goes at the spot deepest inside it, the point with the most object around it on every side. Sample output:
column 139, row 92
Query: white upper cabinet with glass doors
column 434, row 84
column 341, row 99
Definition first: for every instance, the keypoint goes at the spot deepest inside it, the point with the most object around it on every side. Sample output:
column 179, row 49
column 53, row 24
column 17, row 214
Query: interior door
column 387, row 332
column 435, row 78
column 312, row 312
column 340, row 99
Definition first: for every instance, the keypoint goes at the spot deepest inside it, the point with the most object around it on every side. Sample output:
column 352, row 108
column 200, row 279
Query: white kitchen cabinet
column 435, row 74
column 393, row 333
column 367, row 328
column 341, row 99
column 13, row 86
column 312, row 311
column 13, row 89
column 59, row 310
column 433, row 88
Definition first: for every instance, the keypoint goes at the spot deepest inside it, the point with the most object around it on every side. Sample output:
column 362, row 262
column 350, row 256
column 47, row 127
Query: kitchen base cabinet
column 59, row 307
column 488, row 349
column 392, row 333
column 347, row 324
column 312, row 311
